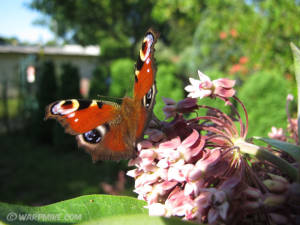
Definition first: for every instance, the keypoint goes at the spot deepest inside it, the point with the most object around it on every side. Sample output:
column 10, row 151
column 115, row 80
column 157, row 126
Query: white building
column 12, row 58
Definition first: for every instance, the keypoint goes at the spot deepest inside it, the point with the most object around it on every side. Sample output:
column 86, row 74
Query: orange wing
column 145, row 66
column 80, row 116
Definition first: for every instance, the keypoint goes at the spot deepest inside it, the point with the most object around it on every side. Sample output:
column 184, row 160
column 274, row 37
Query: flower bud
column 251, row 205
column 274, row 200
column 186, row 105
column 277, row 177
column 275, row 185
column 252, row 193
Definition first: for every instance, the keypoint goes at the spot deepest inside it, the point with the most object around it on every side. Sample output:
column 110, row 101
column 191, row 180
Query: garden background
column 243, row 40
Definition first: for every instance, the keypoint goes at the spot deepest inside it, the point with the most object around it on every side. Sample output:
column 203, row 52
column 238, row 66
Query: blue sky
column 16, row 21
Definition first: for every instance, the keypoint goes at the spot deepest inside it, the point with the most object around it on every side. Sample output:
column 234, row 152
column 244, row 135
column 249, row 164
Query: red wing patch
column 80, row 116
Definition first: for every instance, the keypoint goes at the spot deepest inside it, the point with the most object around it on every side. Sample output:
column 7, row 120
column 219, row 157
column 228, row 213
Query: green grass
column 36, row 175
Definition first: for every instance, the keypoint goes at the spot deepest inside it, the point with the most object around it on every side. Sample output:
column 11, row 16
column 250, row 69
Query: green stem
column 263, row 154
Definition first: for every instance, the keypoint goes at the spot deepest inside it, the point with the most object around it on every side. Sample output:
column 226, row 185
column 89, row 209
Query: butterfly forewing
column 145, row 69
column 80, row 116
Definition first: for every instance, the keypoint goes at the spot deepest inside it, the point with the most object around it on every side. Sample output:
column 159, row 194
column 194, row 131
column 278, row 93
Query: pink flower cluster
column 198, row 169
column 182, row 172
column 173, row 177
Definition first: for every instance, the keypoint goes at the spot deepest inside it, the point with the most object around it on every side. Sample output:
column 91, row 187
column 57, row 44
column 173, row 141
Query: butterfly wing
column 145, row 69
column 144, row 85
column 81, row 116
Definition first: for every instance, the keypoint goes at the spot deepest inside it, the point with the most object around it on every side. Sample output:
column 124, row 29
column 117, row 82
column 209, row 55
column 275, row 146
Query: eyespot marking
column 149, row 97
column 96, row 135
column 64, row 107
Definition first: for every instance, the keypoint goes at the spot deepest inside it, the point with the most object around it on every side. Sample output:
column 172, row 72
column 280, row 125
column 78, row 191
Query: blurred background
column 54, row 49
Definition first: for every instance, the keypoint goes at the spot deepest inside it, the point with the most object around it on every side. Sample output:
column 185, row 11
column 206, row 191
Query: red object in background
column 222, row 35
column 233, row 33
column 84, row 87
column 244, row 60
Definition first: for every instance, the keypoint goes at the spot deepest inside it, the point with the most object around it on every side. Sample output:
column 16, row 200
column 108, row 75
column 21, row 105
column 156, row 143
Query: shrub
column 69, row 82
column 69, row 88
column 99, row 83
column 122, row 77
column 46, row 93
column 168, row 85
column 264, row 95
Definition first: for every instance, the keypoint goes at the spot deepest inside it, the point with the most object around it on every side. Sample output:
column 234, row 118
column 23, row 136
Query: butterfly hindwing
column 107, row 142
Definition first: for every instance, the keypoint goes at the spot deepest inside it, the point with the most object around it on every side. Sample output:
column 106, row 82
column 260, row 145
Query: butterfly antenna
column 109, row 97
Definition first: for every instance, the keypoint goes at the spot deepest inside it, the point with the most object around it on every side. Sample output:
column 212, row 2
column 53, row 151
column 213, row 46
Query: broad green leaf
column 291, row 149
column 138, row 219
column 77, row 210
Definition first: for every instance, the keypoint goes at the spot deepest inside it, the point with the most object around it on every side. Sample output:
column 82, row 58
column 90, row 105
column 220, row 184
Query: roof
column 77, row 50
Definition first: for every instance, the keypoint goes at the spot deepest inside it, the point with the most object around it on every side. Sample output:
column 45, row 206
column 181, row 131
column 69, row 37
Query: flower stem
column 245, row 130
column 264, row 154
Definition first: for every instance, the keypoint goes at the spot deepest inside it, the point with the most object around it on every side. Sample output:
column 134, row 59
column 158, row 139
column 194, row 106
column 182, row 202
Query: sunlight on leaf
column 77, row 210
column 138, row 219
column 291, row 149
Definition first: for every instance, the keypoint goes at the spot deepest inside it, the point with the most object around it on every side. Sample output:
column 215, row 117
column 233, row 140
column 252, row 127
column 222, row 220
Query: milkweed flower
column 204, row 87
column 184, row 106
column 277, row 133
column 174, row 173
column 291, row 133
column 198, row 168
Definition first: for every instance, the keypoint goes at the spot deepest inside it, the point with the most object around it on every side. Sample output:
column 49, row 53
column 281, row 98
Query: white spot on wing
column 149, row 40
column 71, row 115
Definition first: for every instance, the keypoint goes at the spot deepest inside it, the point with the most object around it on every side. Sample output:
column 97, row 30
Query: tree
column 91, row 21
column 99, row 82
column 68, row 89
column 69, row 82
column 46, row 80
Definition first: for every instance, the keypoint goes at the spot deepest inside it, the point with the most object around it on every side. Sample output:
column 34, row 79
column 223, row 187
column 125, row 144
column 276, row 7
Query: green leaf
column 291, row 149
column 296, row 53
column 77, row 210
column 138, row 219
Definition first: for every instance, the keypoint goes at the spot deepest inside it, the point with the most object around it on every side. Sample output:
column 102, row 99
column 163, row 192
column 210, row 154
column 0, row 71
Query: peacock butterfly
column 108, row 130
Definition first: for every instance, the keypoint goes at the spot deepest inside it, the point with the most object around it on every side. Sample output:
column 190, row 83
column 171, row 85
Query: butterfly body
column 108, row 130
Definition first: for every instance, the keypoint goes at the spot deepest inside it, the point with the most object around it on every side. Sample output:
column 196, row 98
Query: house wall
column 11, row 64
